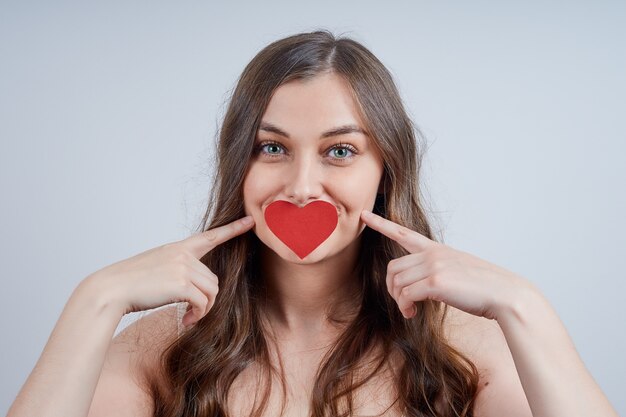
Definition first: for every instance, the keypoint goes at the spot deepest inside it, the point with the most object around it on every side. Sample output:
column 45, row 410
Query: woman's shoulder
column 474, row 336
column 131, row 359
column 147, row 336
column 482, row 341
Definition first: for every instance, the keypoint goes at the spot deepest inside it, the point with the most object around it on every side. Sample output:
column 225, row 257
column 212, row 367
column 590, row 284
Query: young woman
column 378, row 318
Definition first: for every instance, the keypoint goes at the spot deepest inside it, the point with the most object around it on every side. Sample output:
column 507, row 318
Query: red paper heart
column 301, row 229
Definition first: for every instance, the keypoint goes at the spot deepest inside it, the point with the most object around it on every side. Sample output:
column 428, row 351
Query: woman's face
column 303, row 164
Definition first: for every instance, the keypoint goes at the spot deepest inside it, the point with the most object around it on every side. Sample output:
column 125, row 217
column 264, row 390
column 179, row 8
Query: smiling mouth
column 339, row 211
column 302, row 229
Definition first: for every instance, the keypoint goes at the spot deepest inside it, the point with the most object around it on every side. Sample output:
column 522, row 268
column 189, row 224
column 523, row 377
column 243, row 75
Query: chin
column 318, row 254
column 328, row 249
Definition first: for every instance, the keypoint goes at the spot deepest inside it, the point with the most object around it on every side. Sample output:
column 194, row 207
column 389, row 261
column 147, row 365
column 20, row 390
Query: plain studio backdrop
column 108, row 114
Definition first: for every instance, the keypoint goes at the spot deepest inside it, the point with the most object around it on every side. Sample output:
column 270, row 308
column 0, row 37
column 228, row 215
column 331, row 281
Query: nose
column 303, row 183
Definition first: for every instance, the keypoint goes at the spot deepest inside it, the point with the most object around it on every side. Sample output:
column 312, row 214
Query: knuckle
column 405, row 292
column 436, row 264
column 183, row 270
column 205, row 305
column 211, row 235
column 210, row 305
column 434, row 281
column 397, row 279
column 214, row 280
column 180, row 256
column 212, row 287
column 183, row 284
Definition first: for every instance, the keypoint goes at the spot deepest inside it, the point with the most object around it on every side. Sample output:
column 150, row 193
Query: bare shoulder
column 481, row 340
column 144, row 340
column 131, row 357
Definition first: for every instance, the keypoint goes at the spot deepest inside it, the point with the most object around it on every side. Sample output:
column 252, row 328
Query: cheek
column 253, row 184
column 258, row 186
column 250, row 192
column 357, row 192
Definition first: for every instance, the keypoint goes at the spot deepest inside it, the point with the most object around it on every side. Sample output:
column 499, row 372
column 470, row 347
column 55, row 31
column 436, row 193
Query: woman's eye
column 272, row 148
column 340, row 152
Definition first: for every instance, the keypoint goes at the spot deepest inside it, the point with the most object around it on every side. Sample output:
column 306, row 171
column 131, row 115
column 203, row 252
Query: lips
column 302, row 229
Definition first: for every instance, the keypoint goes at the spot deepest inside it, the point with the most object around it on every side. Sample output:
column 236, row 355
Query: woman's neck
column 301, row 297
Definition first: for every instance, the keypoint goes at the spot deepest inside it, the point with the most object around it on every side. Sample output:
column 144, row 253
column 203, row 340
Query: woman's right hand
column 167, row 274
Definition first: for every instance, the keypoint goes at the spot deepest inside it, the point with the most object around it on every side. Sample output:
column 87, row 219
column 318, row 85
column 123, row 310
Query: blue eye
column 340, row 152
column 269, row 149
column 272, row 148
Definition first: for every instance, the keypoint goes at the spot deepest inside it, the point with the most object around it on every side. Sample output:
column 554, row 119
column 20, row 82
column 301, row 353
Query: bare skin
column 64, row 379
column 134, row 352
column 526, row 359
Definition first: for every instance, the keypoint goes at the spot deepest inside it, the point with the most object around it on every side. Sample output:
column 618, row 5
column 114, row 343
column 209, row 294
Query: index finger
column 201, row 243
column 407, row 238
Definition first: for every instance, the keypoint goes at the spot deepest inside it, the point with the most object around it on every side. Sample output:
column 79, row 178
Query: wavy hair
column 197, row 370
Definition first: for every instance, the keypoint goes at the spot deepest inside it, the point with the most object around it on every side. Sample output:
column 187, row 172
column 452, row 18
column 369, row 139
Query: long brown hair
column 197, row 369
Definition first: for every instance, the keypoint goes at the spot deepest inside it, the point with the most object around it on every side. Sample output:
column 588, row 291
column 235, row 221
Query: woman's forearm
column 64, row 380
column 554, row 377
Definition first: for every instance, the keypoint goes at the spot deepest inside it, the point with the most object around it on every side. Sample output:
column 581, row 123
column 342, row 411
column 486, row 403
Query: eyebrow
column 336, row 131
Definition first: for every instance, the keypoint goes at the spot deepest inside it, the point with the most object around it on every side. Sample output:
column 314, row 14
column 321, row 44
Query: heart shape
column 301, row 229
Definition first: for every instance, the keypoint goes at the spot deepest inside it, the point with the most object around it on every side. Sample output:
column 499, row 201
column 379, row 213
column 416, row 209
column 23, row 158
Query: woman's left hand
column 438, row 272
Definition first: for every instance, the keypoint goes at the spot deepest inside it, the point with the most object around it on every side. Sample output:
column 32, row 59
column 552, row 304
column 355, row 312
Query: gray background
column 108, row 112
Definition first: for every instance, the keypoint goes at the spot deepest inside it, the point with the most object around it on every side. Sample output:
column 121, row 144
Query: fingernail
column 247, row 220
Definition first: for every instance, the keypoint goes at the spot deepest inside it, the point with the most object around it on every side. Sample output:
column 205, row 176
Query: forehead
column 310, row 106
